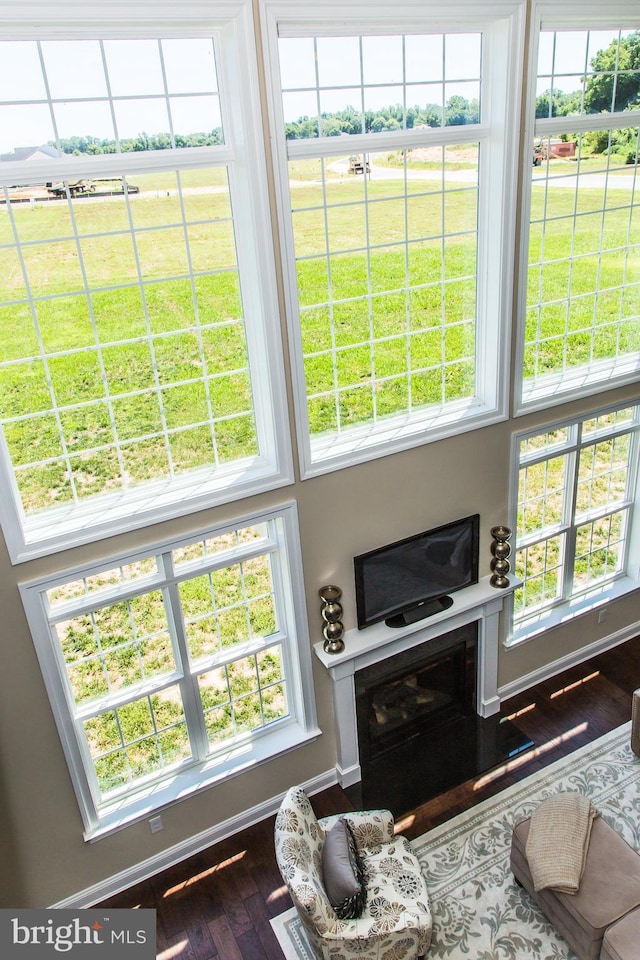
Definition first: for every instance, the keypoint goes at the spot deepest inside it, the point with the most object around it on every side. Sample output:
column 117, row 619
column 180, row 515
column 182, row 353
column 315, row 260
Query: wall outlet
column 155, row 824
column 602, row 615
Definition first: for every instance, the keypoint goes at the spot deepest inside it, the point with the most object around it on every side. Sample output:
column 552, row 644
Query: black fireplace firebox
column 403, row 698
column 418, row 730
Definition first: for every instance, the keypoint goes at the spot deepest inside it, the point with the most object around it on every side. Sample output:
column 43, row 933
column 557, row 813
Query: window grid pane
column 583, row 287
column 368, row 84
column 130, row 364
column 603, row 473
column 593, row 511
column 599, row 551
column 137, row 740
column 542, row 496
column 87, row 586
column 587, row 71
column 103, row 93
column 243, row 696
column 387, row 283
column 539, row 566
column 581, row 321
column 228, row 608
column 116, row 647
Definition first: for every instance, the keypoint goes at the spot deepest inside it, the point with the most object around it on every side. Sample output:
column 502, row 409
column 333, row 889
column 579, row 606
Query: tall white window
column 394, row 136
column 140, row 374
column 577, row 517
column 170, row 669
column 580, row 302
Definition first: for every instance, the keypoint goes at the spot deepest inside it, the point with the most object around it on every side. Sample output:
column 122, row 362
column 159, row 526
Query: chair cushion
column 342, row 872
column 395, row 876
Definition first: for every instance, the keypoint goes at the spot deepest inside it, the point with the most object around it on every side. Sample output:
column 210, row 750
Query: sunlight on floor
column 276, row 895
column 573, row 686
column 174, row 950
column 523, row 710
column 204, row 873
column 532, row 754
column 404, row 823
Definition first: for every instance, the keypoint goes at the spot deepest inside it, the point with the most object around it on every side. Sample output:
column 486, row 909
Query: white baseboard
column 349, row 775
column 173, row 855
column 522, row 684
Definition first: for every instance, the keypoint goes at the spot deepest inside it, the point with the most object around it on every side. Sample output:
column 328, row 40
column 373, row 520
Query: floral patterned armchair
column 396, row 920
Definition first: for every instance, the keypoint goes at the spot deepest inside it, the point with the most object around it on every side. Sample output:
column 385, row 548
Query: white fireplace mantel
column 362, row 648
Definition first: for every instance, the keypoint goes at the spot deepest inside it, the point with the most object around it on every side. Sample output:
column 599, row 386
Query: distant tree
column 384, row 122
column 615, row 84
column 459, row 111
column 431, row 115
column 144, row 141
column 551, row 103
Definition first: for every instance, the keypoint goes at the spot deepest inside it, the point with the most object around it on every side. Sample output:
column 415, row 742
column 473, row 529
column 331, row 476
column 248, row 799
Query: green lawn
column 173, row 352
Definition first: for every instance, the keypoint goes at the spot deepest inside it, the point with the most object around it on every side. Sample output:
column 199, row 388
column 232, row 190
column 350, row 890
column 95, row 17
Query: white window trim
column 300, row 727
column 232, row 21
column 592, row 379
column 600, row 594
column 498, row 180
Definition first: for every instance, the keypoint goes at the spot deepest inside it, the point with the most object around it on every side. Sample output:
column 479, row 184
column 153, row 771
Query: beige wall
column 44, row 858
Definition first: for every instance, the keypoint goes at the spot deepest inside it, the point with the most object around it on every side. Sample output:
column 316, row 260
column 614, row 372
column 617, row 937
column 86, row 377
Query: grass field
column 388, row 303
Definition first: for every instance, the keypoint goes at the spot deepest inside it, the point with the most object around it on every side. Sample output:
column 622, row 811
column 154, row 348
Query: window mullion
column 315, row 148
column 569, row 511
column 555, row 126
column 189, row 682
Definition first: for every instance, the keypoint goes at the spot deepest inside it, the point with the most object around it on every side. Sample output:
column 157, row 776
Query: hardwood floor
column 217, row 905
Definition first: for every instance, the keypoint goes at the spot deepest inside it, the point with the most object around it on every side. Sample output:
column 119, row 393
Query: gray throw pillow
column 343, row 872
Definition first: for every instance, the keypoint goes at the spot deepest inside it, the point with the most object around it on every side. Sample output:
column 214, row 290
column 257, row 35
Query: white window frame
column 280, row 736
column 592, row 378
column 572, row 604
column 503, row 25
column 230, row 22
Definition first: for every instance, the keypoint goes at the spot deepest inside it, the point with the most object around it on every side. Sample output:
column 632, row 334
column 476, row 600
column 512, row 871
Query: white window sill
column 552, row 389
column 70, row 526
column 565, row 612
column 187, row 782
column 335, row 450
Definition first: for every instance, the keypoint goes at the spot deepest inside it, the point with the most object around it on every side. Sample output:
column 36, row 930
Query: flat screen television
column 413, row 578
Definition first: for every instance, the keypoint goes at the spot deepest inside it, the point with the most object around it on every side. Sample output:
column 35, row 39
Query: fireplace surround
column 474, row 614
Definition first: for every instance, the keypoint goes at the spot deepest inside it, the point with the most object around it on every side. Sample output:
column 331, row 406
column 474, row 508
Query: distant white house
column 43, row 152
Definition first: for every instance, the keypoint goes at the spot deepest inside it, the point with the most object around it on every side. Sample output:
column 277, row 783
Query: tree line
column 457, row 111
column 143, row 141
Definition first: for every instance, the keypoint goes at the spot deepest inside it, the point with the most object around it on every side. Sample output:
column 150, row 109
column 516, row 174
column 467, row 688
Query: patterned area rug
column 478, row 911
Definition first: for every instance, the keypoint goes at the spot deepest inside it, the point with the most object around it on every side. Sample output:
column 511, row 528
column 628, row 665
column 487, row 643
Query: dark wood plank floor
column 217, row 905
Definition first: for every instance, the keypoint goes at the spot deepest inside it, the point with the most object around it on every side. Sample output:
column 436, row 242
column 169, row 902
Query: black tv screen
column 412, row 578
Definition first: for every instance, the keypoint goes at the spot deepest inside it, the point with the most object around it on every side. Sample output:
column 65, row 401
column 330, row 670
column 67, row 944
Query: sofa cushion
column 621, row 939
column 342, row 872
column 610, row 888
